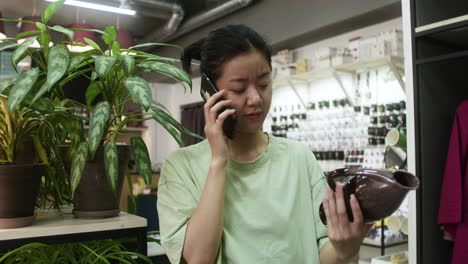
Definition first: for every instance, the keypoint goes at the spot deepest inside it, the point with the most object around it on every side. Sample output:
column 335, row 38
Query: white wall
column 160, row 142
column 173, row 96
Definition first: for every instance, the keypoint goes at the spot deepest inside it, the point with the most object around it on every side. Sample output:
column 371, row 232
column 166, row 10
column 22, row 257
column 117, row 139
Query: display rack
column 334, row 72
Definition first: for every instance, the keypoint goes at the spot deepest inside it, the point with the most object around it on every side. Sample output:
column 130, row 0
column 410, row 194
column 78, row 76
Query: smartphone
column 229, row 123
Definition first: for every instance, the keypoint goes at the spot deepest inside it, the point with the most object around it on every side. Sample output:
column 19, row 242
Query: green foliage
column 142, row 160
column 115, row 76
column 111, row 163
column 89, row 252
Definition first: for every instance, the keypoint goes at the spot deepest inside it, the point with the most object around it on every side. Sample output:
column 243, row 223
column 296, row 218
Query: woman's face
column 246, row 80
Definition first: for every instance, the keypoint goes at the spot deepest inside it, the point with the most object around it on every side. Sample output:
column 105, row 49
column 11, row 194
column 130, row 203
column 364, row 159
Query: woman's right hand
column 214, row 125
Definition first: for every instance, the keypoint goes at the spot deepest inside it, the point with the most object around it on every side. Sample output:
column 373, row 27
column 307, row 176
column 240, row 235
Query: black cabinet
column 439, row 44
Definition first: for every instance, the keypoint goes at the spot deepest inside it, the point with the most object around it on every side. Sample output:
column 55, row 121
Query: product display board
column 343, row 106
column 342, row 131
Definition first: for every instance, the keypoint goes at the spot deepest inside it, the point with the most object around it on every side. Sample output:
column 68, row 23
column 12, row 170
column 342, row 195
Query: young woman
column 255, row 198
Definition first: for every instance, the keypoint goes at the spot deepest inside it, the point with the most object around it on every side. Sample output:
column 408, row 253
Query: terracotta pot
column 93, row 197
column 19, row 186
column 379, row 192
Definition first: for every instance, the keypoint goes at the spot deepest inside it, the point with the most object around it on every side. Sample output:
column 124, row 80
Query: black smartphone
column 230, row 122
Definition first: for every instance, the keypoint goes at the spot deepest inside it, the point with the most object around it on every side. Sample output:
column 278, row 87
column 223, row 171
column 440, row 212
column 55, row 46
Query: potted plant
column 30, row 131
column 115, row 75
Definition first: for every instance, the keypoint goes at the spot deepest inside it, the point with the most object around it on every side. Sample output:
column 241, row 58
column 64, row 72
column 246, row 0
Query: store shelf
column 374, row 243
column 370, row 64
column 52, row 223
column 349, row 67
column 305, row 77
column 332, row 73
column 440, row 26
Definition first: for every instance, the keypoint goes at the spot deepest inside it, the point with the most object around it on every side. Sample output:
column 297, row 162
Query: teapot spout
column 406, row 180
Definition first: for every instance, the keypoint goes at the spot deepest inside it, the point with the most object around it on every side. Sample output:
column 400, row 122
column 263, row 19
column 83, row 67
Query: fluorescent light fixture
column 98, row 7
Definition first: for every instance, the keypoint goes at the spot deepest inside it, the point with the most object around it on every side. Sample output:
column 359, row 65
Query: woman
column 255, row 198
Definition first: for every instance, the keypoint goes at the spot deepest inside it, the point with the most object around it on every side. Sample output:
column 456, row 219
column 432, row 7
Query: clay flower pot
column 379, row 192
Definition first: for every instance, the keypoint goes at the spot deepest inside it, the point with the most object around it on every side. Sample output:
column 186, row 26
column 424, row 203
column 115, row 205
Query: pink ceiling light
column 2, row 28
column 78, row 43
column 125, row 39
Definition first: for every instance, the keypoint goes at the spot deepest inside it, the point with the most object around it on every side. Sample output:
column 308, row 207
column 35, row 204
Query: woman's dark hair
column 222, row 45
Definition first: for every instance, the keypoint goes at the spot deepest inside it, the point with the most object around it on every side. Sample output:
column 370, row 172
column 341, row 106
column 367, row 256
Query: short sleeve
column 318, row 190
column 175, row 207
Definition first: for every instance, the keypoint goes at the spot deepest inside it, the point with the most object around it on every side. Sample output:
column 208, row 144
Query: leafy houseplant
column 115, row 76
column 27, row 120
column 97, row 251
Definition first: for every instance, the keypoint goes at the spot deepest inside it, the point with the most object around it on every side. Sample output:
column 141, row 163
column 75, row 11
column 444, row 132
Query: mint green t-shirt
column 270, row 210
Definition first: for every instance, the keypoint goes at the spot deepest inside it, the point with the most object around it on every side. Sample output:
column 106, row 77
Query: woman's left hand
column 345, row 236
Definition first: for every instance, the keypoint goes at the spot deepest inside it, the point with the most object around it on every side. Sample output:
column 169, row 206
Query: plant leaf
column 140, row 90
column 75, row 61
column 94, row 76
column 27, row 33
column 18, row 53
column 169, row 119
column 115, row 48
column 6, row 83
column 12, row 45
column 111, row 162
column 155, row 44
column 91, row 93
column 70, row 33
column 78, row 163
column 43, row 105
column 22, row 248
column 22, row 86
column 59, row 59
column 97, row 125
column 172, row 131
column 50, row 10
column 41, row 26
column 111, row 35
column 141, row 157
column 129, row 63
column 104, row 65
column 167, row 69
column 92, row 44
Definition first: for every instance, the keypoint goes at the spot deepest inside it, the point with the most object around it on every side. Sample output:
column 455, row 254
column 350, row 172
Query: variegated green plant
column 28, row 116
column 115, row 76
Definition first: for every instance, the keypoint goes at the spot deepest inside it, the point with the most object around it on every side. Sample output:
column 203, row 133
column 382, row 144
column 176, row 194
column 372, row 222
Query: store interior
column 365, row 84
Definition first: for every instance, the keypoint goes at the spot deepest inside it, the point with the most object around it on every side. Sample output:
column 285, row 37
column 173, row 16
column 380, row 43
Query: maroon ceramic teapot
column 379, row 192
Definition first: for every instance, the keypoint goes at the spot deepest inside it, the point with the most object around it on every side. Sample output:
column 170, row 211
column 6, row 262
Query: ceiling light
column 98, row 7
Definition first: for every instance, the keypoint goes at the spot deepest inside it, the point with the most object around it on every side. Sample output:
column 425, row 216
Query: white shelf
column 369, row 64
column 304, row 77
column 349, row 67
column 52, row 222
column 441, row 23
